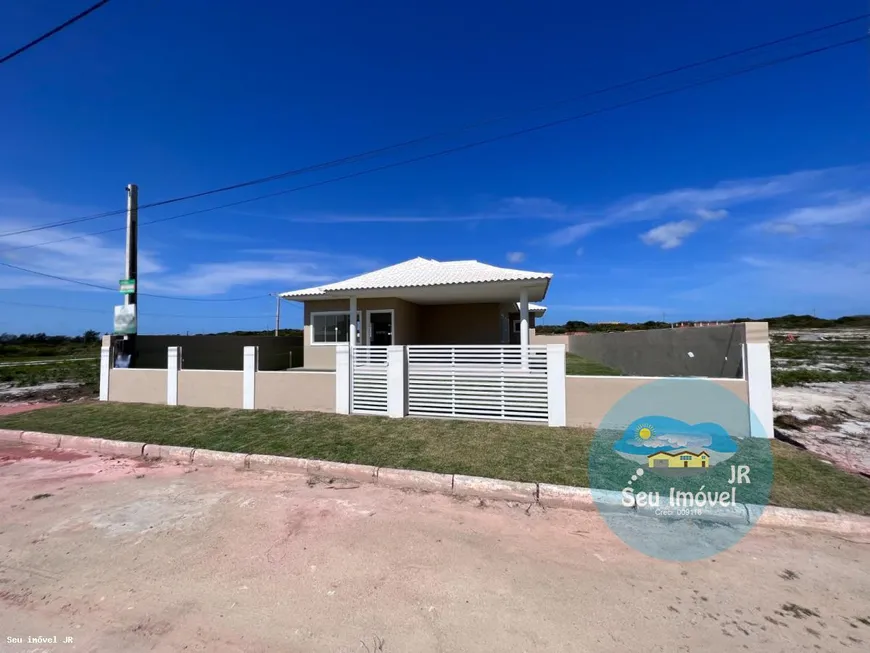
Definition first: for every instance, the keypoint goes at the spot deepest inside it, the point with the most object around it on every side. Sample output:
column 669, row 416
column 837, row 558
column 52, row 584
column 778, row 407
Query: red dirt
column 11, row 409
column 13, row 451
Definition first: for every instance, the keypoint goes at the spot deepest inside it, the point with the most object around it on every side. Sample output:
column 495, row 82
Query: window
column 332, row 328
column 685, row 457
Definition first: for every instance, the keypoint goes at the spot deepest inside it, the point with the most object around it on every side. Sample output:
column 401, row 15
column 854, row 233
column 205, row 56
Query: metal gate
column 496, row 382
column 369, row 380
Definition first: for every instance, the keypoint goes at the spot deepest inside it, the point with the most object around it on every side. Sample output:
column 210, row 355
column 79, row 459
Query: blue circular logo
column 674, row 472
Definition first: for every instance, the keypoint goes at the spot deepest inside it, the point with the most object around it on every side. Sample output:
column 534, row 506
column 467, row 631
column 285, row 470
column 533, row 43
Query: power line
column 103, row 312
column 473, row 144
column 52, row 32
column 354, row 158
column 99, row 287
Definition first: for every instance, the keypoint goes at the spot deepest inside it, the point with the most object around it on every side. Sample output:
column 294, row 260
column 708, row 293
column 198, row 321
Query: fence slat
column 478, row 381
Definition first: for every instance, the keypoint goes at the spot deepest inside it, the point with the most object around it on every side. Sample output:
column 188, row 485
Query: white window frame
column 392, row 313
column 333, row 344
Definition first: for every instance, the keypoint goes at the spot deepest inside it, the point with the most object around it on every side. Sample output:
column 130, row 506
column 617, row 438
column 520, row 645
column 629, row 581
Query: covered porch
column 421, row 302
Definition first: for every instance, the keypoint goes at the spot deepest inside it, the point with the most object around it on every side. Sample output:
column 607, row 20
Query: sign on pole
column 127, row 286
column 125, row 320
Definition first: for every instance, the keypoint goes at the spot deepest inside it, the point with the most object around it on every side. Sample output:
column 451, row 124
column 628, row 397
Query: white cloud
column 99, row 260
column 675, row 440
column 506, row 209
column 516, row 257
column 669, row 235
column 205, row 279
column 717, row 202
column 711, row 214
column 845, row 211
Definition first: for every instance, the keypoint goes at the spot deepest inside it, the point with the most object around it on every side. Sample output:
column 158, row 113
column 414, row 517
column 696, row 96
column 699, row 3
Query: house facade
column 421, row 302
column 679, row 459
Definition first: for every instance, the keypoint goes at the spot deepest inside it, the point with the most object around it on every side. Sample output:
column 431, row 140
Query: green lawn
column 508, row 451
column 575, row 364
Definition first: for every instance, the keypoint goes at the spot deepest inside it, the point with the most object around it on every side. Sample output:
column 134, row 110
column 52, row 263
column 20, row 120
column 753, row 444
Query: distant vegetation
column 781, row 322
column 34, row 346
column 268, row 332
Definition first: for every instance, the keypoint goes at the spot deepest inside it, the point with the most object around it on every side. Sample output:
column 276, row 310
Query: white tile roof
column 420, row 272
column 534, row 309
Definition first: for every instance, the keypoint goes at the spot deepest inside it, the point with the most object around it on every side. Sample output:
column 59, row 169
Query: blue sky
column 747, row 197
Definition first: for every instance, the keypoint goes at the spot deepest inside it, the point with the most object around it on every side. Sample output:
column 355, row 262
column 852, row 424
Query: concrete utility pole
column 277, row 313
column 132, row 262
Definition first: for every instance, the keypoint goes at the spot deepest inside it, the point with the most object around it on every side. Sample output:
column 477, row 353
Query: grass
column 509, row 451
column 84, row 372
column 575, row 364
column 786, row 377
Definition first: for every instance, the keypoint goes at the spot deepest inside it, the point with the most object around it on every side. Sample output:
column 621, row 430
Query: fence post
column 105, row 371
column 173, row 358
column 342, row 379
column 396, row 381
column 760, row 386
column 556, row 406
column 250, row 363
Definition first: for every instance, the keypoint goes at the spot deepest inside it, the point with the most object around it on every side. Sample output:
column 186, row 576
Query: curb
column 544, row 494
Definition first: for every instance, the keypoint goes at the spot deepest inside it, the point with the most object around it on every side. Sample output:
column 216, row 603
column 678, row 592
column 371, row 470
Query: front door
column 380, row 328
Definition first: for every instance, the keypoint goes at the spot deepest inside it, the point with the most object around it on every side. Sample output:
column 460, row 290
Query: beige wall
column 295, row 391
column 459, row 324
column 544, row 339
column 210, row 389
column 137, row 386
column 756, row 332
column 589, row 398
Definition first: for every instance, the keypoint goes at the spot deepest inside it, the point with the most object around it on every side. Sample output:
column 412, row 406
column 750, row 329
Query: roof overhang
column 454, row 293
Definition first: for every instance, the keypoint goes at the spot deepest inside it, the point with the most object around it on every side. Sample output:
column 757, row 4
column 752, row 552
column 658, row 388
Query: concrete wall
column 588, row 399
column 138, row 386
column 210, row 389
column 219, row 352
column 546, row 339
column 716, row 351
column 295, row 391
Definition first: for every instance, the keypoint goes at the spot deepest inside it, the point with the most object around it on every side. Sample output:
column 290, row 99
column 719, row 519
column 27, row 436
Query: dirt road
column 120, row 555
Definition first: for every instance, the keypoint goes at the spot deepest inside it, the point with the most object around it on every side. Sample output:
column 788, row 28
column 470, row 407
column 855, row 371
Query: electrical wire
column 103, row 312
column 141, row 294
column 473, row 144
column 354, row 158
column 52, row 32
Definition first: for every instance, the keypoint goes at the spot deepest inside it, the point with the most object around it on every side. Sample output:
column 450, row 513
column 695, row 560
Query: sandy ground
column 123, row 555
column 829, row 419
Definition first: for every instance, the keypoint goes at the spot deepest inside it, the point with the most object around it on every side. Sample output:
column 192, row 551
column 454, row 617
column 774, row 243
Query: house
column 421, row 302
column 679, row 459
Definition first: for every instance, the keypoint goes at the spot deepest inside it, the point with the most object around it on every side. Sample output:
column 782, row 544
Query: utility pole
column 131, row 269
column 277, row 313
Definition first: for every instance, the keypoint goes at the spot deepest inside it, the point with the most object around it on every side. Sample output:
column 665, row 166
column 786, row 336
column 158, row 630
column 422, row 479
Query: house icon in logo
column 678, row 459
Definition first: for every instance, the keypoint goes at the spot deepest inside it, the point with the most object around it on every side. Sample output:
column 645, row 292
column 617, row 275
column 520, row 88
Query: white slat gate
column 496, row 382
column 369, row 380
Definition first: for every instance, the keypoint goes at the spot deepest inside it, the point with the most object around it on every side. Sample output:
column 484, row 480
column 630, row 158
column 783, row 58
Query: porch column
column 524, row 326
column 352, row 335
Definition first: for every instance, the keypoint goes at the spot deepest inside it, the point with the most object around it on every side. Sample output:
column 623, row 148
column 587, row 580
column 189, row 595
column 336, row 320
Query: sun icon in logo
column 644, row 431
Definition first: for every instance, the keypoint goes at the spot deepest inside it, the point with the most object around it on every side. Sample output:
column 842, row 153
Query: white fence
column 500, row 382
column 369, row 382
column 492, row 382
